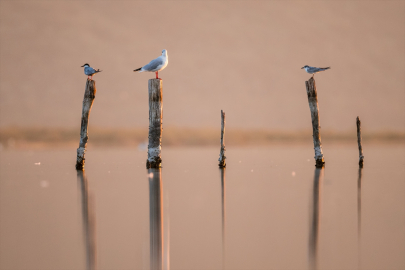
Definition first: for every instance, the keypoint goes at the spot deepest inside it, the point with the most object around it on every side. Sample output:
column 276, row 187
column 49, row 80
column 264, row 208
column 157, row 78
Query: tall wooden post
column 361, row 157
column 222, row 157
column 89, row 95
column 155, row 123
column 313, row 106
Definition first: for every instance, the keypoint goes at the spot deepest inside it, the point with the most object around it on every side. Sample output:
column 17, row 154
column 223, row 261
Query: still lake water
column 269, row 209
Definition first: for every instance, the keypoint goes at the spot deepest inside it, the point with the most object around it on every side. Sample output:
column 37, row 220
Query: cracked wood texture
column 361, row 157
column 313, row 106
column 222, row 157
column 89, row 95
column 155, row 123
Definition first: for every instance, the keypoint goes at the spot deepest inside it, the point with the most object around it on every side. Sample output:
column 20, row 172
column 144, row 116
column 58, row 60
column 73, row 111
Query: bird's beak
column 82, row 66
column 302, row 67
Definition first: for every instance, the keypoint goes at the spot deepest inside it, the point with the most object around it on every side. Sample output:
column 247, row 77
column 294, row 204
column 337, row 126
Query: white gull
column 156, row 65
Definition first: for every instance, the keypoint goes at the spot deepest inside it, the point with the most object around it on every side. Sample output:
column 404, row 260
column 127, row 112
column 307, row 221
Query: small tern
column 313, row 70
column 156, row 65
column 89, row 71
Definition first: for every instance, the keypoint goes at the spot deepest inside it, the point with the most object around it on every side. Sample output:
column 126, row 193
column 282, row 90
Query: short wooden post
column 313, row 106
column 361, row 157
column 222, row 157
column 89, row 95
column 155, row 123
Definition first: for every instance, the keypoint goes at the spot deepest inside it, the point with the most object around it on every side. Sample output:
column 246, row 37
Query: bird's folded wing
column 313, row 69
column 89, row 71
column 153, row 65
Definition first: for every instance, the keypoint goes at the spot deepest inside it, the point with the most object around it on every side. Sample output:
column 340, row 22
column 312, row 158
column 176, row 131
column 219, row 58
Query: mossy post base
column 89, row 95
column 155, row 123
column 313, row 106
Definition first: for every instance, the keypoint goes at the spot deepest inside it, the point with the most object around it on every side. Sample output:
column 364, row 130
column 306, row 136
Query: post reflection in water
column 314, row 228
column 159, row 256
column 359, row 215
column 223, row 200
column 88, row 221
column 359, row 201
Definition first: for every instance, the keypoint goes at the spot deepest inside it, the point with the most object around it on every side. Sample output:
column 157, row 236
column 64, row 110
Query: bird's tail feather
column 138, row 69
column 98, row 70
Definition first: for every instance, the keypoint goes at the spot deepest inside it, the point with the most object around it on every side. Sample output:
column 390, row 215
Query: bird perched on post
column 156, row 65
column 89, row 71
column 313, row 70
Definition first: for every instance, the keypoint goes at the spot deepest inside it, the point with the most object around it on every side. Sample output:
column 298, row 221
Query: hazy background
column 240, row 56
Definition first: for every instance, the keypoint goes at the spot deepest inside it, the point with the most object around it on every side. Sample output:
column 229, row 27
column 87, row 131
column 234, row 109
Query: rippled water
column 269, row 209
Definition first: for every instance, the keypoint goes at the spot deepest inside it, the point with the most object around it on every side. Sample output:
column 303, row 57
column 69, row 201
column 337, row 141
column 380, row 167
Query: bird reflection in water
column 88, row 221
column 314, row 228
column 159, row 251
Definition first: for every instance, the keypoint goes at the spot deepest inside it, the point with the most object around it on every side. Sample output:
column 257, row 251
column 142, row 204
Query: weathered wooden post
column 155, row 123
column 222, row 157
column 89, row 95
column 361, row 157
column 313, row 106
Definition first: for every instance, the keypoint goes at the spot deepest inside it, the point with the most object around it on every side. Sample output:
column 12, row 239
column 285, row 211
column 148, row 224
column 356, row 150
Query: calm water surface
column 269, row 209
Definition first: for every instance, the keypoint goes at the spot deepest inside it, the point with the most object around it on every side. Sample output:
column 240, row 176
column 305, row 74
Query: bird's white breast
column 165, row 62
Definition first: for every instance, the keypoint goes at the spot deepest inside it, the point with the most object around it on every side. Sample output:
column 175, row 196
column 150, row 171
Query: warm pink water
column 270, row 209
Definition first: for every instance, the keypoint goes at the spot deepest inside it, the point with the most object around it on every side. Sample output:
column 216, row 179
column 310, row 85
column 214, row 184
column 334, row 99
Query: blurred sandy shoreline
column 34, row 138
column 247, row 63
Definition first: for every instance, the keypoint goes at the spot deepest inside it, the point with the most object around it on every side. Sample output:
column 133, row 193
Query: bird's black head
column 304, row 66
column 85, row 65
